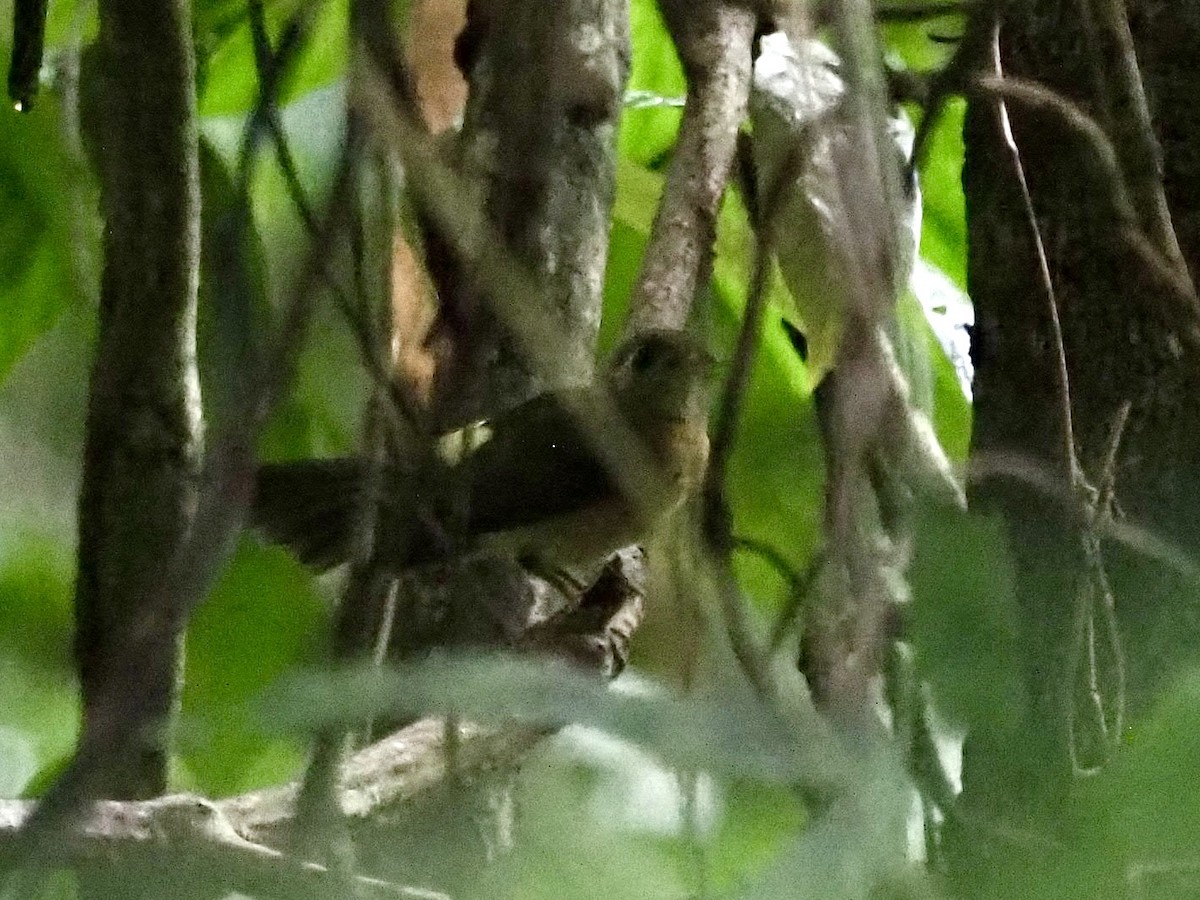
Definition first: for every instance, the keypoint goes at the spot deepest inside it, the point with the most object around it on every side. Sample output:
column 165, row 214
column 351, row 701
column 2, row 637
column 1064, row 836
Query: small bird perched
column 551, row 484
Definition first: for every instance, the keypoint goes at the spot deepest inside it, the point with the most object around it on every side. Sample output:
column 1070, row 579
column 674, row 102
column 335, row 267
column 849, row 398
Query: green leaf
column 230, row 84
column 1148, row 791
column 964, row 618
column 262, row 619
column 777, row 472
column 936, row 382
column 944, row 226
column 49, row 228
column 35, row 604
column 38, row 704
column 736, row 739
column 758, row 821
column 855, row 847
column 910, row 43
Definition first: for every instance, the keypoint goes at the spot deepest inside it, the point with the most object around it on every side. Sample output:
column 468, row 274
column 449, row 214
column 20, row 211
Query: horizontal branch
column 235, row 840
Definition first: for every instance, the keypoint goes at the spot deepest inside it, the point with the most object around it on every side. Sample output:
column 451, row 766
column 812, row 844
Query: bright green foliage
column 231, row 83
column 649, row 133
column 37, row 706
column 943, row 232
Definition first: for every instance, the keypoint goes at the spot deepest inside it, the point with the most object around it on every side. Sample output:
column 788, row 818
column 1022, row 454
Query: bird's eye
column 643, row 358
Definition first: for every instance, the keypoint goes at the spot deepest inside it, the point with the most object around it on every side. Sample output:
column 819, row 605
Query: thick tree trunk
column 546, row 88
column 1124, row 336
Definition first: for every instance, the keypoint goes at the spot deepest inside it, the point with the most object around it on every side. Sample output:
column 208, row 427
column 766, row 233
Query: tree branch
column 714, row 42
column 1133, row 135
column 234, row 841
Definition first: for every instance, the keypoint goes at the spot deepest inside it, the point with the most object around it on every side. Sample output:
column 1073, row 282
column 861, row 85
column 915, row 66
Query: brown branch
column 540, row 149
column 162, row 602
column 234, row 841
column 714, row 43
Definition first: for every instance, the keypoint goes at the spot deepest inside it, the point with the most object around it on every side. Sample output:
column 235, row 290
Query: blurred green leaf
column 937, row 388
column 757, row 822
column 36, row 623
column 230, row 84
column 38, row 701
column 214, row 19
column 911, row 44
column 1142, row 808
column 855, row 847
column 738, row 739
column 944, row 227
column 777, row 472
column 262, row 619
column 1130, row 830
column 963, row 621
column 49, row 227
column 575, row 839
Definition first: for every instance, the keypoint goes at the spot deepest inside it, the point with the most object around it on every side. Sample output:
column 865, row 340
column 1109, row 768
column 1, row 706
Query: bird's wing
column 537, row 466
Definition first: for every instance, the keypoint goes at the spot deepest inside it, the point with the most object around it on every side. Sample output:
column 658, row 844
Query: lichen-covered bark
column 1123, row 343
column 143, row 442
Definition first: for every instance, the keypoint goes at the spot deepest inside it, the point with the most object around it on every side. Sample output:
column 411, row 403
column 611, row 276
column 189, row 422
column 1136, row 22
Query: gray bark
column 546, row 88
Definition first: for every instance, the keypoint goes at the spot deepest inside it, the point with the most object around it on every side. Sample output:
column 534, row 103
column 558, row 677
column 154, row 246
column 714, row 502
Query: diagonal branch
column 714, row 41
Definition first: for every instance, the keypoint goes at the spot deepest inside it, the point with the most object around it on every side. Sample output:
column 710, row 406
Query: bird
column 560, row 482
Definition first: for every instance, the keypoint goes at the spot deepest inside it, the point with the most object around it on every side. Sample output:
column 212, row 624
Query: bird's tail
column 312, row 507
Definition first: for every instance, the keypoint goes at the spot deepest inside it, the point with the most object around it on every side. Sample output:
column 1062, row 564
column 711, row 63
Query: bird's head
column 661, row 374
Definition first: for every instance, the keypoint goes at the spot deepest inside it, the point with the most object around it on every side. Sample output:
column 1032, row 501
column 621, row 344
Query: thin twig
column 1092, row 590
column 272, row 66
column 717, row 523
column 774, row 558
